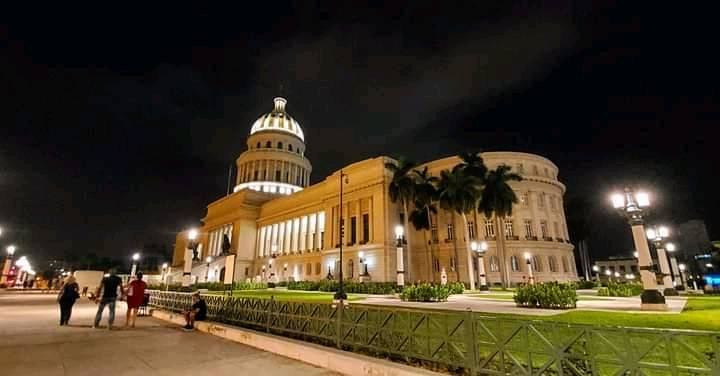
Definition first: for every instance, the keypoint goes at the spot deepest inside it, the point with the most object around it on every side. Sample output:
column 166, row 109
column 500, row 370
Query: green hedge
column 425, row 292
column 210, row 286
column 380, row 288
column 621, row 289
column 546, row 295
column 584, row 285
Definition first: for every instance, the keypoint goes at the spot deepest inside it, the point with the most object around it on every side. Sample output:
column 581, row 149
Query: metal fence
column 468, row 342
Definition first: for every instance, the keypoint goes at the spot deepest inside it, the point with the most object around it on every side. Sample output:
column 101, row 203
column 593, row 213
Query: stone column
column 664, row 267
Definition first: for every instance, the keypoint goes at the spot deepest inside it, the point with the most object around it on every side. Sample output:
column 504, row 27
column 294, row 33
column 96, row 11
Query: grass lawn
column 700, row 313
column 299, row 296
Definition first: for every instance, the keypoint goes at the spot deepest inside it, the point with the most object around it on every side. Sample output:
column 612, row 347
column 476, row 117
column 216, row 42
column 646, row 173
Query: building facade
column 279, row 227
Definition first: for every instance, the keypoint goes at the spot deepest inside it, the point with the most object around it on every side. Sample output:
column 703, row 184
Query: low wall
column 326, row 357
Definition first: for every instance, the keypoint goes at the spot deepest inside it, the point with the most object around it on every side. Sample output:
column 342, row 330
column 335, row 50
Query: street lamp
column 190, row 256
column 528, row 257
column 657, row 235
column 631, row 205
column 671, row 248
column 608, row 273
column 596, row 270
column 8, row 262
column 399, row 231
column 364, row 267
column 682, row 274
column 135, row 257
column 480, row 249
column 165, row 274
column 208, row 260
column 340, row 294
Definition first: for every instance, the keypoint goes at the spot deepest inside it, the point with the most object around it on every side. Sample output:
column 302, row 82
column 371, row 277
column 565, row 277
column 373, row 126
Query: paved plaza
column 33, row 344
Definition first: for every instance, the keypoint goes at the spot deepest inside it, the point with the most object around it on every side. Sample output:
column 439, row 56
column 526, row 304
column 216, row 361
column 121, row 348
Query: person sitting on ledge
column 198, row 312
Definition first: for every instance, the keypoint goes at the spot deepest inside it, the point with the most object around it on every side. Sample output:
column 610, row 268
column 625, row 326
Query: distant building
column 694, row 246
column 624, row 266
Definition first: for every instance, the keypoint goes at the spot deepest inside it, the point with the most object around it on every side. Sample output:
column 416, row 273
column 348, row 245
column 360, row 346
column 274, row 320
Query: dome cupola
column 278, row 120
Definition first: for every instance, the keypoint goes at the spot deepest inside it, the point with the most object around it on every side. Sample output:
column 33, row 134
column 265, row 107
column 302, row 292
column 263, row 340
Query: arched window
column 536, row 265
column 514, row 263
column 280, row 145
column 290, row 147
column 268, row 144
column 564, row 264
column 552, row 263
column 258, row 145
column 494, row 267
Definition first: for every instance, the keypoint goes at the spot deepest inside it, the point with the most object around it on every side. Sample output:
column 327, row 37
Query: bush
column 603, row 291
column 381, row 288
column 546, row 295
column 584, row 285
column 210, row 286
column 456, row 287
column 425, row 292
column 622, row 289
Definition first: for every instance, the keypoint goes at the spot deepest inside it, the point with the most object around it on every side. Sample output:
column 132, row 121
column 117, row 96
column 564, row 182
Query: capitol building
column 276, row 226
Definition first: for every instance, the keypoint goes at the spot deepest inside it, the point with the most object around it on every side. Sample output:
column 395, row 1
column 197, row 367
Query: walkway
column 33, row 344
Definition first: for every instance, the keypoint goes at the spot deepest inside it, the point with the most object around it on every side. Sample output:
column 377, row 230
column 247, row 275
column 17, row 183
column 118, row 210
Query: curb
column 344, row 362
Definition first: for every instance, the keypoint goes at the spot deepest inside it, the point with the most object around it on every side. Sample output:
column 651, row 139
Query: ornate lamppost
column 657, row 235
column 631, row 205
column 190, row 256
column 135, row 258
column 528, row 261
column 399, row 252
column 10, row 250
column 480, row 249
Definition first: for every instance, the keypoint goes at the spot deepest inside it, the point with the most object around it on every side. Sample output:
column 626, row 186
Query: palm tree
column 498, row 198
column 420, row 219
column 425, row 198
column 473, row 164
column 402, row 190
column 459, row 192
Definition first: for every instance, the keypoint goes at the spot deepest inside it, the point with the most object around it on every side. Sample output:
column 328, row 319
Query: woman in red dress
column 135, row 296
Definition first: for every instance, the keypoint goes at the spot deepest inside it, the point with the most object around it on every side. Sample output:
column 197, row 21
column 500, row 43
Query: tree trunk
column 500, row 242
column 427, row 256
column 457, row 256
column 408, row 251
column 471, row 274
column 432, row 247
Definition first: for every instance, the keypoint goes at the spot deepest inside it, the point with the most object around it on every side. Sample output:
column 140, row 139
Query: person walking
column 135, row 295
column 66, row 298
column 108, row 292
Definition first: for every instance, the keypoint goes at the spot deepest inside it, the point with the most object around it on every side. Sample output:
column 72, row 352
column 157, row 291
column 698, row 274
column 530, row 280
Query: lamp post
column 208, row 260
column 631, row 205
column 190, row 255
column 596, row 271
column 135, row 257
column 608, row 273
column 480, row 249
column 671, row 248
column 165, row 272
column 657, row 235
column 8, row 262
column 340, row 295
column 399, row 253
column 682, row 274
column 531, row 279
column 364, row 275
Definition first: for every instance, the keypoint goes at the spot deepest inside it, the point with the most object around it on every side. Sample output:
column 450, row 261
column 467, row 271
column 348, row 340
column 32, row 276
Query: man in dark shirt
column 198, row 312
column 107, row 294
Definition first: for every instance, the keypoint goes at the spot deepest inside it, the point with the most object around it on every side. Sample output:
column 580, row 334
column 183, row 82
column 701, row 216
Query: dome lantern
column 278, row 120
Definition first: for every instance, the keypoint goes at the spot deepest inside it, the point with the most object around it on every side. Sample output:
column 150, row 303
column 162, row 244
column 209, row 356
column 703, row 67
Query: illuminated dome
column 278, row 120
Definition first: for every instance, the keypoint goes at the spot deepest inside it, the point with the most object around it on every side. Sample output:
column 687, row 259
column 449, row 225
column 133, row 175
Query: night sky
column 117, row 125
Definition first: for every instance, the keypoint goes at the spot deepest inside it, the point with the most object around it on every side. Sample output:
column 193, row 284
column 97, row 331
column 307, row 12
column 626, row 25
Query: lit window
column 508, row 228
column 489, row 228
column 471, row 230
column 544, row 229
column 528, row 228
column 450, row 232
column 524, row 199
column 514, row 263
column 494, row 267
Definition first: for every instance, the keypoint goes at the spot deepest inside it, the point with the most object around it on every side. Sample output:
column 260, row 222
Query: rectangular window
column 535, row 171
column 622, row 269
column 489, row 228
column 353, row 230
column 508, row 228
column 277, row 175
column 524, row 199
column 255, row 175
column 366, row 227
column 528, row 228
column 433, row 229
column 541, row 200
column 557, row 230
column 471, row 230
column 544, row 229
column 450, row 232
